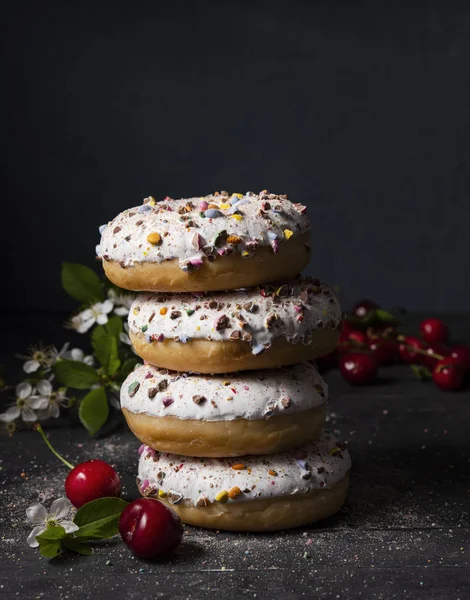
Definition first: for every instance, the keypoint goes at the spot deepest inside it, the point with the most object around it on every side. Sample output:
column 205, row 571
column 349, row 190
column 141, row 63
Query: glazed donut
column 252, row 493
column 258, row 328
column 259, row 412
column 215, row 242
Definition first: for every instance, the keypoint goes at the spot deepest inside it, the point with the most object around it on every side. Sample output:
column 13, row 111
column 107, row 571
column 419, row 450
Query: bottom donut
column 250, row 493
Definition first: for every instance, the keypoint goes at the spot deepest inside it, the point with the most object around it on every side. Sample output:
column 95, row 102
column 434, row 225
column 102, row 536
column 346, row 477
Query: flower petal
column 38, row 403
column 44, row 387
column 32, row 541
column 31, row 366
column 125, row 339
column 86, row 324
column 121, row 311
column 102, row 319
column 10, row 414
column 88, row 360
column 60, row 508
column 107, row 306
column 23, row 390
column 36, row 513
column 69, row 526
column 28, row 415
column 77, row 354
column 85, row 315
column 54, row 410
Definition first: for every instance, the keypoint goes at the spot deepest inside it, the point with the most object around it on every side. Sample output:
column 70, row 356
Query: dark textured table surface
column 404, row 532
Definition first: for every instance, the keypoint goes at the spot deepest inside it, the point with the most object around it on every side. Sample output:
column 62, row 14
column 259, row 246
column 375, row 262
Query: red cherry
column 435, row 348
column 385, row 351
column 346, row 328
column 350, row 337
column 359, row 368
column 357, row 336
column 407, row 354
column 91, row 480
column 149, row 528
column 362, row 308
column 434, row 330
column 461, row 354
column 448, row 374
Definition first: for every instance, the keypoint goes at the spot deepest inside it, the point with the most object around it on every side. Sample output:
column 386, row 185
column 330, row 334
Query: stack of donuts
column 228, row 403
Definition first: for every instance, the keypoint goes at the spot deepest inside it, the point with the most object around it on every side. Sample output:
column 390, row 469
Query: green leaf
column 383, row 316
column 50, row 548
column 50, row 544
column 99, row 519
column 81, row 283
column 52, row 533
column 128, row 366
column 98, row 332
column 421, row 373
column 77, row 546
column 94, row 410
column 106, row 351
column 114, row 326
column 75, row 374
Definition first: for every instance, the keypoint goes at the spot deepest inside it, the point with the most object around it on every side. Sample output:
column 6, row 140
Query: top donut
column 215, row 242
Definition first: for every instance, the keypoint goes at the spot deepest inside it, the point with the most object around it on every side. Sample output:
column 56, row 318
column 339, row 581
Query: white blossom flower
column 38, row 357
column 78, row 355
column 122, row 302
column 58, row 515
column 25, row 405
column 51, row 399
column 97, row 313
column 42, row 357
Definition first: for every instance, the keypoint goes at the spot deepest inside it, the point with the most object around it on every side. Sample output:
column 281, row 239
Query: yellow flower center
column 50, row 523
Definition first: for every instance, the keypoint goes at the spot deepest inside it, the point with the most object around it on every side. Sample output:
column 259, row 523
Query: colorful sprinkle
column 222, row 497
column 133, row 388
column 154, row 238
column 212, row 213
column 234, row 492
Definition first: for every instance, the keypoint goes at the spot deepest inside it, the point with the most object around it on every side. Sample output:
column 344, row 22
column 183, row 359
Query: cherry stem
column 401, row 338
column 49, row 445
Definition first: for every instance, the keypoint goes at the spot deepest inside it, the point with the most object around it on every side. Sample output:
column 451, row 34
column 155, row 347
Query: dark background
column 359, row 110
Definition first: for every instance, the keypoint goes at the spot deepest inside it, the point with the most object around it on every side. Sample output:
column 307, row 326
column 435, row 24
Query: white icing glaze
column 190, row 230
column 248, row 395
column 312, row 467
column 257, row 315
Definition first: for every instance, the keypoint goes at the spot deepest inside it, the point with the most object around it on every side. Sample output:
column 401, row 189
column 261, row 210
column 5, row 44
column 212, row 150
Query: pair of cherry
column 148, row 527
